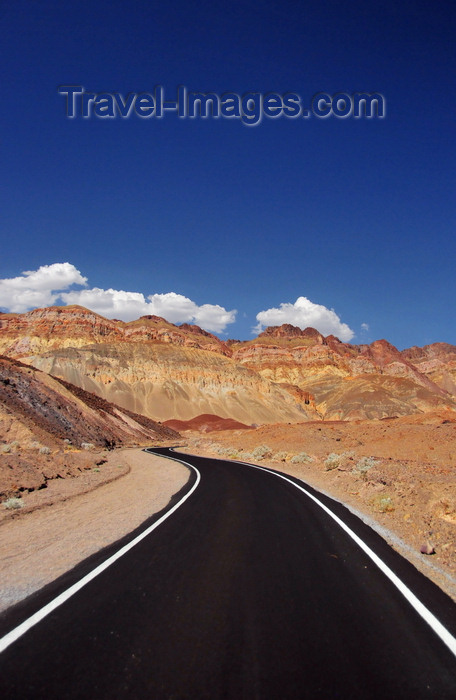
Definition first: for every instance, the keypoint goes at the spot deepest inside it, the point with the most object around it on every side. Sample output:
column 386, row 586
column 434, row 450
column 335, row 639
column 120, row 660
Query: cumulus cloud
column 50, row 284
column 176, row 308
column 365, row 326
column 304, row 313
column 40, row 287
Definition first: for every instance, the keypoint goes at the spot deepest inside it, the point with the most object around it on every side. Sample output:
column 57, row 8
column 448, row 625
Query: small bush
column 86, row 445
column 224, row 450
column 301, row 458
column 333, row 461
column 384, row 504
column 45, row 450
column 281, row 456
column 13, row 503
column 261, row 452
column 5, row 449
column 364, row 464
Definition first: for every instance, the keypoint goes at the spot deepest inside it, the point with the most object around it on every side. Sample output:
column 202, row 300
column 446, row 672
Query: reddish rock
column 427, row 549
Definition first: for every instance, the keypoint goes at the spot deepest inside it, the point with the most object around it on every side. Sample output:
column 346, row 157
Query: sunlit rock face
column 286, row 374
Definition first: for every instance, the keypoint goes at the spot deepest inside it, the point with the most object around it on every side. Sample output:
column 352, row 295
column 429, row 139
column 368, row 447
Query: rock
column 165, row 371
column 427, row 549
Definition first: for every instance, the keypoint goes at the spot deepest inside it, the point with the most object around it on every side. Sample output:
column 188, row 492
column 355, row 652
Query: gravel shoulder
column 74, row 518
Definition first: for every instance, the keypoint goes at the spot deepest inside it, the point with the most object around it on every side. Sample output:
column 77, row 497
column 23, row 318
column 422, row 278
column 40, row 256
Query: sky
column 343, row 224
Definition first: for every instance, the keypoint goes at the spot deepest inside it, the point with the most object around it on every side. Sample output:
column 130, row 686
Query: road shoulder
column 38, row 546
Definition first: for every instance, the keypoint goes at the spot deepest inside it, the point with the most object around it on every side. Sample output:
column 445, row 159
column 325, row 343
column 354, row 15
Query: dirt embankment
column 52, row 430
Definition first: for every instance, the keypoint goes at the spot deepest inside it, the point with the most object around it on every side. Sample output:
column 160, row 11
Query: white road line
column 63, row 597
column 446, row 637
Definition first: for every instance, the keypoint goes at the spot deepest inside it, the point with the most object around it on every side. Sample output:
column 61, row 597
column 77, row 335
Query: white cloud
column 214, row 317
column 38, row 287
column 47, row 286
column 364, row 326
column 111, row 303
column 304, row 313
column 114, row 303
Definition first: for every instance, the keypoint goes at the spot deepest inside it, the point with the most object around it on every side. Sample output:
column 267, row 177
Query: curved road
column 248, row 590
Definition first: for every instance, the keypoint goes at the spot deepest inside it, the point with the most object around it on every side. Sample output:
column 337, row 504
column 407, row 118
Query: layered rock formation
column 346, row 381
column 164, row 371
column 436, row 361
column 148, row 366
column 35, row 406
column 57, row 327
column 51, row 430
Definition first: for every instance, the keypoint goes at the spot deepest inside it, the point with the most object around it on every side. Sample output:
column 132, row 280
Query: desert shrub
column 261, row 452
column 384, row 504
column 224, row 451
column 337, row 461
column 13, row 503
column 5, row 449
column 45, row 450
column 281, row 456
column 86, row 445
column 364, row 464
column 333, row 461
column 301, row 458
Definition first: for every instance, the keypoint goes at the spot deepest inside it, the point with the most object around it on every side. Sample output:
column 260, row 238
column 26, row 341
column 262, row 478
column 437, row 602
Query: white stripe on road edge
column 43, row 612
column 446, row 637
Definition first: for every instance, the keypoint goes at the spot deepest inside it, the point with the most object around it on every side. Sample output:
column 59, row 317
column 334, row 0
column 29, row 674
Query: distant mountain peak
column 286, row 330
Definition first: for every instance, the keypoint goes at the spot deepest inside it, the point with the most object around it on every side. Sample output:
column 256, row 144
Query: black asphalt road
column 248, row 590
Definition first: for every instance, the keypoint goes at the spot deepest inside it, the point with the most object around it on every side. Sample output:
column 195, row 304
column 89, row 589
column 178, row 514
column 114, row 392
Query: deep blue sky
column 355, row 215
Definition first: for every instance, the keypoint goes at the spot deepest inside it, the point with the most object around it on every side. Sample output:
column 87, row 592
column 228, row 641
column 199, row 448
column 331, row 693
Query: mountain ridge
column 167, row 371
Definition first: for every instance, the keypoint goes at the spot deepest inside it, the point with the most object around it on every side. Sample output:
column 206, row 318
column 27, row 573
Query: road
column 248, row 590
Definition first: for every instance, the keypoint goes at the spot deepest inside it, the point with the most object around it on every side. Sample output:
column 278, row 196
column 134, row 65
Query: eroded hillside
column 164, row 371
column 51, row 429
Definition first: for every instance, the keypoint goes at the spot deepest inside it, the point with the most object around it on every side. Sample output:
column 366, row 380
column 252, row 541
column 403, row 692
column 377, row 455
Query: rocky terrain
column 347, row 382
column 148, row 366
column 436, row 361
column 286, row 374
column 50, row 429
